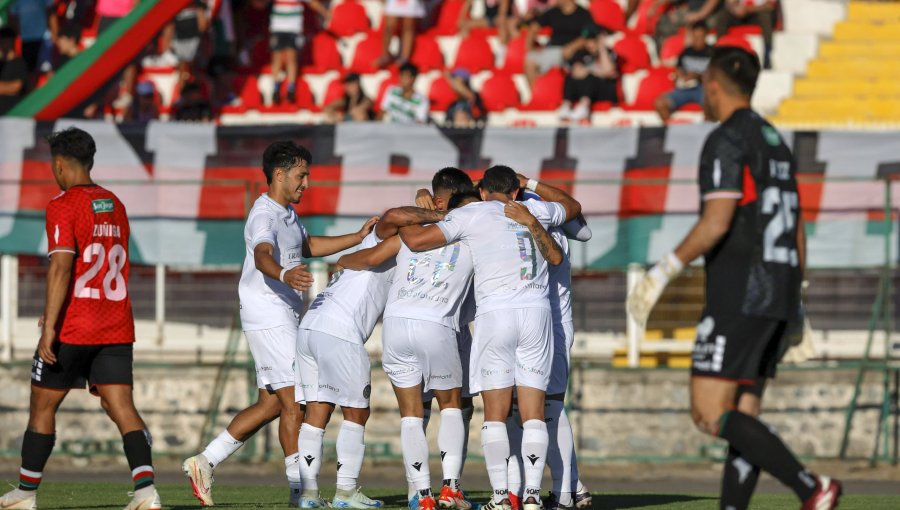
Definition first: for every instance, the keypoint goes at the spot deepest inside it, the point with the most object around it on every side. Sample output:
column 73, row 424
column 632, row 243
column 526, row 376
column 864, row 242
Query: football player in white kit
column 512, row 346
column 568, row 491
column 333, row 369
column 420, row 350
column 271, row 286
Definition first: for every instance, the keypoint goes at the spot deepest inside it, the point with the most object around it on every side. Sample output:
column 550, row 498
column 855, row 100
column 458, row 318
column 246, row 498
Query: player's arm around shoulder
column 322, row 246
column 548, row 247
column 368, row 258
column 549, row 193
column 407, row 221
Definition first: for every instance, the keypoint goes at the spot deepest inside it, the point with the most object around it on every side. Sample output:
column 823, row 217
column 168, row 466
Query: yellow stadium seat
column 685, row 334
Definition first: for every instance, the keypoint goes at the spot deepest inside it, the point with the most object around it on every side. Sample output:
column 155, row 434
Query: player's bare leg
column 118, row 402
column 712, row 408
column 535, row 441
column 451, row 441
column 243, row 426
column 291, row 416
column 415, row 446
column 40, row 435
column 495, row 443
column 309, row 447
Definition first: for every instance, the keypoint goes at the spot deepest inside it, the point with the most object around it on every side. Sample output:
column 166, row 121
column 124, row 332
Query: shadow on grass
column 622, row 501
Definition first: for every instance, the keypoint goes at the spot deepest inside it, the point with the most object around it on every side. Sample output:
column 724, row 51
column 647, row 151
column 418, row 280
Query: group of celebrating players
column 495, row 255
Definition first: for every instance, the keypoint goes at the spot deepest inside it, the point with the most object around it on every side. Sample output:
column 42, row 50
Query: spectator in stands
column 353, row 105
column 13, row 71
column 285, row 40
column 567, row 21
column 401, row 103
column 66, row 45
column 144, row 109
column 405, row 13
column 682, row 13
column 468, row 110
column 593, row 75
column 30, row 18
column 496, row 14
column 252, row 31
column 190, row 24
column 750, row 12
column 193, row 105
column 109, row 12
column 68, row 12
column 691, row 64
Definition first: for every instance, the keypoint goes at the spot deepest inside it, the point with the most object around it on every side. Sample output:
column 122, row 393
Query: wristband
column 281, row 276
column 532, row 185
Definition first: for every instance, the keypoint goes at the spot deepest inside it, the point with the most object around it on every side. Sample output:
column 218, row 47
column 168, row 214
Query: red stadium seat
column 334, row 92
column 447, row 18
column 250, row 96
column 657, row 82
column 325, row 55
column 441, row 94
column 547, row 92
column 304, row 97
column 499, row 92
column 427, row 54
column 645, row 21
column 672, row 47
column 608, row 14
column 474, row 54
column 515, row 56
column 737, row 41
column 367, row 52
column 348, row 18
column 745, row 30
column 632, row 53
column 382, row 89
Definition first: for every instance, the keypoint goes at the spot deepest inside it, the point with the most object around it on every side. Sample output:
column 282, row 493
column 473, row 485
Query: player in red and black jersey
column 87, row 327
column 752, row 240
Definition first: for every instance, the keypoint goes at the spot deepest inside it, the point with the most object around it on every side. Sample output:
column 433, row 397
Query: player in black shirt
column 752, row 240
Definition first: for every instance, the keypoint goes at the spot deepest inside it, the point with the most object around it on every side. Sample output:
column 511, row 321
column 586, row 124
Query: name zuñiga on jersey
column 755, row 269
column 510, row 271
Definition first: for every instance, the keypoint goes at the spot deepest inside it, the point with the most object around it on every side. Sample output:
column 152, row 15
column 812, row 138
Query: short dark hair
column 410, row 68
column 500, row 179
column 71, row 31
column 73, row 143
column 738, row 67
column 700, row 24
column 283, row 154
column 461, row 199
column 451, row 180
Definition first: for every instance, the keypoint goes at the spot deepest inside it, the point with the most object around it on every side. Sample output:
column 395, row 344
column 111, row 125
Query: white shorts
column 563, row 338
column 333, row 370
column 273, row 353
column 512, row 348
column 405, row 8
column 417, row 351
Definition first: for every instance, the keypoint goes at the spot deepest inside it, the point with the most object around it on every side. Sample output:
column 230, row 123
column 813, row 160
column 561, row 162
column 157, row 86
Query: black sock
column 738, row 481
column 36, row 450
column 761, row 447
column 137, row 451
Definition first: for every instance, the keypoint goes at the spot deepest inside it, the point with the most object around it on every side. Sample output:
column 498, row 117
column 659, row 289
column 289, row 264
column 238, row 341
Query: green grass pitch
column 71, row 495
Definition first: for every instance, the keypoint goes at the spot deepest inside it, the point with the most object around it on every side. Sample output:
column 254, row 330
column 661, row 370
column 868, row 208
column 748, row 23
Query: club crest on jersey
column 102, row 205
column 771, row 135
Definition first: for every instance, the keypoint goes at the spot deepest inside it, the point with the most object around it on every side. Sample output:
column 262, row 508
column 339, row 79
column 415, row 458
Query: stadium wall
column 188, row 187
column 616, row 414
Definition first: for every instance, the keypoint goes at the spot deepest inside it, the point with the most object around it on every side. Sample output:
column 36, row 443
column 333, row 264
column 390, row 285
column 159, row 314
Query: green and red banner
column 188, row 187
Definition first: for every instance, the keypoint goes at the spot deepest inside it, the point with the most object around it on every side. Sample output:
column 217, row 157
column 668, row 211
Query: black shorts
column 285, row 41
column 739, row 348
column 76, row 365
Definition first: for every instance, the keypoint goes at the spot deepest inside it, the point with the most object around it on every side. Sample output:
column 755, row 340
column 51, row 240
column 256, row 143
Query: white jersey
column 351, row 304
column 266, row 302
column 431, row 285
column 510, row 271
column 561, row 281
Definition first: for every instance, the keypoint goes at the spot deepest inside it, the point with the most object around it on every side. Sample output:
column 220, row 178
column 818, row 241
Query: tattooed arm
column 393, row 219
column 542, row 239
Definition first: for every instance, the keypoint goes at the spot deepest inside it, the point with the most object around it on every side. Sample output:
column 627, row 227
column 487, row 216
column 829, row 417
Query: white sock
column 292, row 471
column 534, row 455
column 415, row 452
column 309, row 446
column 220, row 448
column 351, row 448
column 450, row 440
column 495, row 444
column 561, row 452
column 467, row 413
column 579, row 487
column 514, row 467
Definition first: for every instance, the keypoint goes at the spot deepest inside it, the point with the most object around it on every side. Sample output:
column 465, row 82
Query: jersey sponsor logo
column 488, row 372
column 325, row 386
column 102, row 205
column 405, row 293
column 771, row 136
column 530, row 370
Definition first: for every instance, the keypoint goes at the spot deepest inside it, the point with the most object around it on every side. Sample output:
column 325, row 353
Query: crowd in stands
column 232, row 55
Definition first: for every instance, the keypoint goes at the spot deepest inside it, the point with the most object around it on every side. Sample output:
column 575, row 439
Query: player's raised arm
column 322, row 246
column 548, row 247
column 552, row 194
column 367, row 258
column 393, row 219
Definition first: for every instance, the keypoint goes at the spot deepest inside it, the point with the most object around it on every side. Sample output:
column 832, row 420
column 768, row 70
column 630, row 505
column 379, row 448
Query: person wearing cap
column 401, row 103
column 467, row 110
column 13, row 71
column 353, row 105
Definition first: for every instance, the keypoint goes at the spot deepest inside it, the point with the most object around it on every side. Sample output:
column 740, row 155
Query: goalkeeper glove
column 645, row 294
